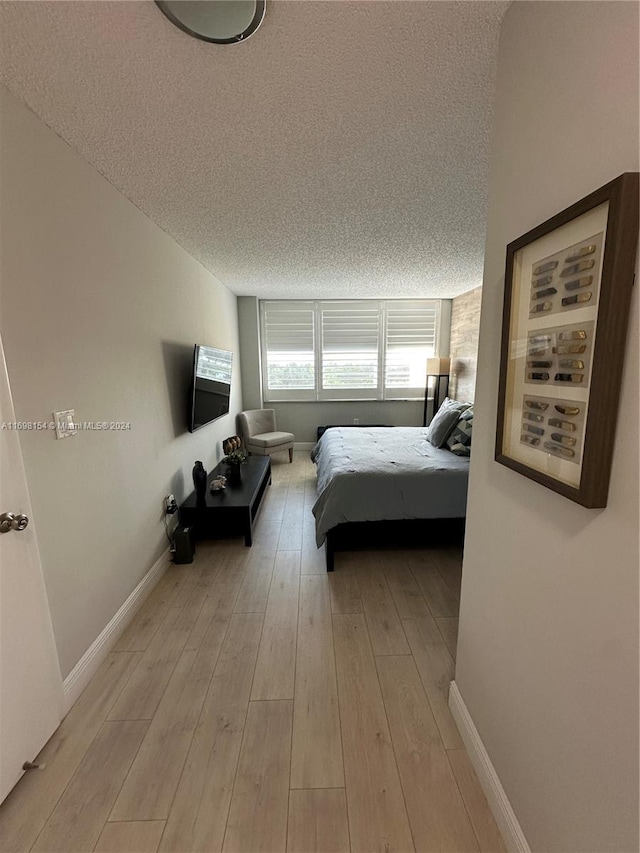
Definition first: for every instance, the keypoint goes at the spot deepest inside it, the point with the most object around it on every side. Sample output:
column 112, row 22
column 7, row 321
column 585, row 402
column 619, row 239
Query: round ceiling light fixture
column 217, row 21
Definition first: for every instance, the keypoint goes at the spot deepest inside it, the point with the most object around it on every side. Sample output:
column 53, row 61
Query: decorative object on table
column 218, row 484
column 561, row 364
column 234, row 461
column 444, row 421
column 437, row 370
column 234, row 442
column 200, row 480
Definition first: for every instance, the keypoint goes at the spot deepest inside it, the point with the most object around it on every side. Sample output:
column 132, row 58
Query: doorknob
column 9, row 521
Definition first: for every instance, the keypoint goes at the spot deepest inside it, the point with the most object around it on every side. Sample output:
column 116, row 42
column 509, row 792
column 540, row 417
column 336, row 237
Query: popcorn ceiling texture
column 342, row 151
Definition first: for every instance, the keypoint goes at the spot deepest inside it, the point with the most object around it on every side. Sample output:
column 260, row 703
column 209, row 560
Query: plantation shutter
column 411, row 338
column 288, row 351
column 347, row 349
column 351, row 333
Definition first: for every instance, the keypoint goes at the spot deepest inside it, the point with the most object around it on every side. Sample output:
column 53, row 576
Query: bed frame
column 406, row 533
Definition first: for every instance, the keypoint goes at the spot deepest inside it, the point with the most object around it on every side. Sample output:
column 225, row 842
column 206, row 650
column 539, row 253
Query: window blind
column 347, row 349
column 288, row 330
column 350, row 345
column 411, row 338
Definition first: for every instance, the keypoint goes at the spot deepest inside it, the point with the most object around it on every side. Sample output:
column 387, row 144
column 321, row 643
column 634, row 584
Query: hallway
column 256, row 703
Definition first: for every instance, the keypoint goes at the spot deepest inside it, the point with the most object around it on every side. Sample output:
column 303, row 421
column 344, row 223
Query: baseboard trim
column 496, row 796
column 304, row 445
column 90, row 661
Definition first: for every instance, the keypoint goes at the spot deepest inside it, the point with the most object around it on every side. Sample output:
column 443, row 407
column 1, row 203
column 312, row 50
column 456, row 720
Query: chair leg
column 291, row 454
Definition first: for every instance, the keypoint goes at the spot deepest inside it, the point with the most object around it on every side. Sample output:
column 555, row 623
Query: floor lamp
column 438, row 369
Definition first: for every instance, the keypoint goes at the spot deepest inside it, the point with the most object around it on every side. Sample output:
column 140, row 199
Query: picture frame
column 568, row 286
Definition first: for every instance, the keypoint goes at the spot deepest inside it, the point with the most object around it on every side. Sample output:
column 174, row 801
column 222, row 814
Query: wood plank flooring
column 256, row 703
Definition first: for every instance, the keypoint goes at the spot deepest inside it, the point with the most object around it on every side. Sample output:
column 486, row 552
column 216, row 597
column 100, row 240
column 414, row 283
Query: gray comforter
column 375, row 474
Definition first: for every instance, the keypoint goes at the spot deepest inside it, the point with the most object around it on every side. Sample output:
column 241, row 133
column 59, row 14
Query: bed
column 367, row 476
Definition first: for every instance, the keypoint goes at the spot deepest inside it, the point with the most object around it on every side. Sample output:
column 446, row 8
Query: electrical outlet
column 170, row 505
column 356, row 421
column 65, row 426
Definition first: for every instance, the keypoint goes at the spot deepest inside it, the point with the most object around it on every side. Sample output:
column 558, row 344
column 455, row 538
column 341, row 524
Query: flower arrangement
column 235, row 458
column 235, row 455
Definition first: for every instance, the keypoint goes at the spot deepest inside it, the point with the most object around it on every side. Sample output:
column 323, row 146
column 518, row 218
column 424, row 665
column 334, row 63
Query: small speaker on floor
column 184, row 545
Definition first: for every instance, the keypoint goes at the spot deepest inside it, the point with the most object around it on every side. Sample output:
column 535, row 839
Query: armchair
column 261, row 435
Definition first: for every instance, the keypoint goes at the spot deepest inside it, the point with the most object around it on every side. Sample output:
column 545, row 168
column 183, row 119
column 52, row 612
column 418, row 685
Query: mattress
column 378, row 474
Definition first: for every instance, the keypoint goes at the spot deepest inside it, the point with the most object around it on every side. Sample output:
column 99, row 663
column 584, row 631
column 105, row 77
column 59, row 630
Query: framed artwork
column 568, row 286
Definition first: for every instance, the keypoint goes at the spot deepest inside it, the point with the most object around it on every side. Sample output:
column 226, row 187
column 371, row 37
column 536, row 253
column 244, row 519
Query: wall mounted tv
column 211, row 386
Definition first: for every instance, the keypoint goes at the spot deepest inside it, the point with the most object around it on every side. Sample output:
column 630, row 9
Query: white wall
column 248, row 330
column 548, row 645
column 100, row 312
column 303, row 419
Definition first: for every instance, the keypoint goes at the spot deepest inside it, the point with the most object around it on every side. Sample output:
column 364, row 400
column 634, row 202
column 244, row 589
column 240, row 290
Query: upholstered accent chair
column 261, row 435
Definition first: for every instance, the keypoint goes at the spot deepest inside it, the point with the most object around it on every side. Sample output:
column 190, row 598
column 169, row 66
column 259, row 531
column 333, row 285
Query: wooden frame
column 568, row 287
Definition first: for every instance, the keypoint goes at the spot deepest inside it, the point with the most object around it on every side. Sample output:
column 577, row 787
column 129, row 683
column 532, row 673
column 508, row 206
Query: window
column 288, row 351
column 350, row 347
column 411, row 338
column 346, row 350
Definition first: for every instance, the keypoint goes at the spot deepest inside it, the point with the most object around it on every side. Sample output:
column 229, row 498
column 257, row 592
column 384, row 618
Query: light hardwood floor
column 256, row 703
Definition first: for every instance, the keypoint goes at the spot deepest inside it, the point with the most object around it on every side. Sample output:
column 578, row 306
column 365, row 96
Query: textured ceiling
column 342, row 151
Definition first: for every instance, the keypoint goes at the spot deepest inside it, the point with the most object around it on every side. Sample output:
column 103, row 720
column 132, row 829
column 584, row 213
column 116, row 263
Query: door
column 30, row 682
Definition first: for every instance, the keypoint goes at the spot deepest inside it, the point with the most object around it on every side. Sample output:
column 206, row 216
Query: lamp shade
column 438, row 366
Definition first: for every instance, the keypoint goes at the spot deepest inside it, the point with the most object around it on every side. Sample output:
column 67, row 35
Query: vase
column 200, row 481
column 234, row 474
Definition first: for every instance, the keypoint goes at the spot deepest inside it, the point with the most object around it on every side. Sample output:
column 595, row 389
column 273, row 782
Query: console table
column 231, row 510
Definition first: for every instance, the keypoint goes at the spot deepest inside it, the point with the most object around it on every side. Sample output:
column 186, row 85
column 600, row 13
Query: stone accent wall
column 465, row 326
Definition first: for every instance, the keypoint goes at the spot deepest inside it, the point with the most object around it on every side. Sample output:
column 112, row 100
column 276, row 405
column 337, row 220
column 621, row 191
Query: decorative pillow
column 459, row 442
column 444, row 421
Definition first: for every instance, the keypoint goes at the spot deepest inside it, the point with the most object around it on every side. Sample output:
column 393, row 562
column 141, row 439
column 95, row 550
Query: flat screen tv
column 211, row 386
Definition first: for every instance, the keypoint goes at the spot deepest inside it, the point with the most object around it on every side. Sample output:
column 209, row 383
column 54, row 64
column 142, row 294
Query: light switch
column 64, row 421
